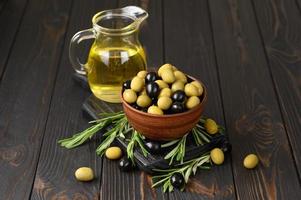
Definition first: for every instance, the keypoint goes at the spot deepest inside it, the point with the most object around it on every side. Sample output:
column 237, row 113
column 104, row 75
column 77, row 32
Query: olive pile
column 169, row 91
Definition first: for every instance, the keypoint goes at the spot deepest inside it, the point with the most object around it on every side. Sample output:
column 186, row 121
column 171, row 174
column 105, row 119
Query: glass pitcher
column 116, row 54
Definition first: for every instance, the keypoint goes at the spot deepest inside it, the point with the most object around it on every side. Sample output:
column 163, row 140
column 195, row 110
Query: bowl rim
column 170, row 115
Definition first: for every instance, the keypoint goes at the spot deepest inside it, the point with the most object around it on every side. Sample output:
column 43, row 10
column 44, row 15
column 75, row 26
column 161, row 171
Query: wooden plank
column 136, row 185
column 252, row 113
column 10, row 20
column 280, row 26
column 25, row 93
column 2, row 5
column 189, row 46
column 55, row 173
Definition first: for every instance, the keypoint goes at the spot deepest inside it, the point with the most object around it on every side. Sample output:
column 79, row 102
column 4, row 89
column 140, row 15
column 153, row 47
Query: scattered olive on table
column 217, row 156
column 125, row 164
column 113, row 153
column 251, row 161
column 211, row 126
column 177, row 180
column 153, row 147
column 145, row 91
column 84, row 174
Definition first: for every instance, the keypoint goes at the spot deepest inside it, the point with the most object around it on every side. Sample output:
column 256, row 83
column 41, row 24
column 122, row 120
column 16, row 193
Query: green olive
column 168, row 76
column 129, row 96
column 165, row 92
column 162, row 84
column 180, row 76
column 163, row 67
column 191, row 90
column 251, row 161
column 142, row 92
column 137, row 84
column 113, row 153
column 199, row 86
column 211, row 126
column 217, row 156
column 178, row 85
column 154, row 110
column 164, row 102
column 192, row 102
column 143, row 101
column 84, row 174
column 142, row 74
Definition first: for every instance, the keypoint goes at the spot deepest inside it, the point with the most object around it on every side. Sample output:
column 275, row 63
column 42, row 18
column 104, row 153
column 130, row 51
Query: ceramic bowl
column 164, row 127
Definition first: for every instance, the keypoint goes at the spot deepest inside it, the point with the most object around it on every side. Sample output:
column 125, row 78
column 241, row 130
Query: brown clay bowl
column 164, row 127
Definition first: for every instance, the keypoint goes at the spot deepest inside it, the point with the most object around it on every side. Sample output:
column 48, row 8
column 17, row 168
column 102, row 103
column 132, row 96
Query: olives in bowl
column 170, row 103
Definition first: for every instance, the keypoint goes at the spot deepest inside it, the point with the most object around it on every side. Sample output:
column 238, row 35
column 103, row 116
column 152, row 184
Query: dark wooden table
column 248, row 53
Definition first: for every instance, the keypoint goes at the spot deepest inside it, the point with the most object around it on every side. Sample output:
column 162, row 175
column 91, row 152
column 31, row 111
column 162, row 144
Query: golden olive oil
column 108, row 68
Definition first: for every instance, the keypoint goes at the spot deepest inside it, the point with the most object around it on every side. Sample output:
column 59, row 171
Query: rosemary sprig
column 135, row 139
column 186, row 169
column 178, row 152
column 99, row 124
column 119, row 128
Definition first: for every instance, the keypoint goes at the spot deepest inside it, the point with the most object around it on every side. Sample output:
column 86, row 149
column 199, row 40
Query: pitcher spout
column 138, row 13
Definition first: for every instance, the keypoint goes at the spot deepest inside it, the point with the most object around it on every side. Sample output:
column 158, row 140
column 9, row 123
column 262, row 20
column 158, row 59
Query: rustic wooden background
column 248, row 53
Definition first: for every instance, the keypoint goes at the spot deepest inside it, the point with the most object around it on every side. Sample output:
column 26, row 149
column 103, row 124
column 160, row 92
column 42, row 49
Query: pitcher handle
column 73, row 49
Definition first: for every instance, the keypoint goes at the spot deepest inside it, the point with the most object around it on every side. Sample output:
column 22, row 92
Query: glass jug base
column 111, row 95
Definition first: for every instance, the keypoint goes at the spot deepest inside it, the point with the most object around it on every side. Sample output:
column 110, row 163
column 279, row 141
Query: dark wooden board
column 189, row 46
column 117, row 184
column 10, row 20
column 253, row 117
column 280, row 27
column 26, row 91
column 2, row 5
column 55, row 173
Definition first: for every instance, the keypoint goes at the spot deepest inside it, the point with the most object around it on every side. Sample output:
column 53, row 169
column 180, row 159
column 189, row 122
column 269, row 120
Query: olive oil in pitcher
column 116, row 54
column 107, row 68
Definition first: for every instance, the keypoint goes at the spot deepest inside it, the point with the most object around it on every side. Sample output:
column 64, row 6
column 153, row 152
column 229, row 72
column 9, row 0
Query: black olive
column 125, row 164
column 154, row 101
column 226, row 147
column 177, row 107
column 178, row 96
column 153, row 147
column 126, row 85
column 151, row 77
column 152, row 89
column 177, row 180
column 136, row 107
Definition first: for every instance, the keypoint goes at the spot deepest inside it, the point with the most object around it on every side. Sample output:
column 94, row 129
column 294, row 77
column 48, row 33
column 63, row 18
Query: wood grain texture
column 280, row 27
column 189, row 46
column 10, row 19
column 55, row 173
column 117, row 184
column 252, row 113
column 25, row 93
